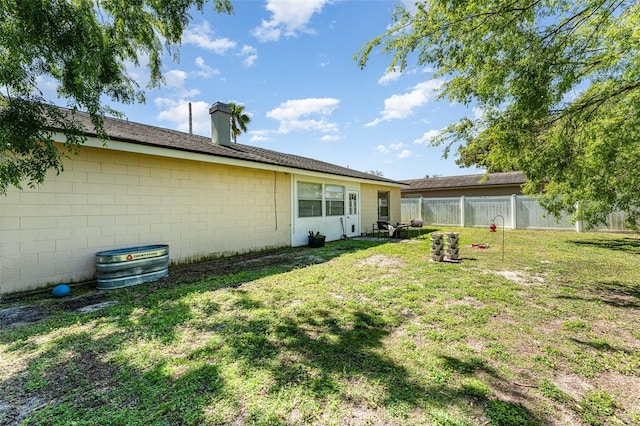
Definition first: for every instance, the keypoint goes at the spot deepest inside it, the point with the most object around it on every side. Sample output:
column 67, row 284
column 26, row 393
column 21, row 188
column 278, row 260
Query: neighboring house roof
column 126, row 131
column 466, row 181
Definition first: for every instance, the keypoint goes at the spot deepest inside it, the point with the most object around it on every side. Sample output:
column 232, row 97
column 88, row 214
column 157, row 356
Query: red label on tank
column 129, row 257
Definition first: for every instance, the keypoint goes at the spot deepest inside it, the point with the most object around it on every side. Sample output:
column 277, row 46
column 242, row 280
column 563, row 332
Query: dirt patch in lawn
column 382, row 261
column 520, row 277
column 21, row 310
column 23, row 314
column 247, row 262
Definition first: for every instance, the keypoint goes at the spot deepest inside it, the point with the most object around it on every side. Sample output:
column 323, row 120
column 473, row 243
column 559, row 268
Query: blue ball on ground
column 61, row 290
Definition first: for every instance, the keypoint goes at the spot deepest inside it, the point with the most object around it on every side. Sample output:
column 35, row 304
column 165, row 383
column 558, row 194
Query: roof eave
column 98, row 143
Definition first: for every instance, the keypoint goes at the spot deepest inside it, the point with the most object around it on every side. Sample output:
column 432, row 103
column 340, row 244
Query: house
column 477, row 185
column 201, row 196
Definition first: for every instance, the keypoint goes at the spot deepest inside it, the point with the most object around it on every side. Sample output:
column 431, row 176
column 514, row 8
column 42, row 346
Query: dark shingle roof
column 136, row 133
column 466, row 181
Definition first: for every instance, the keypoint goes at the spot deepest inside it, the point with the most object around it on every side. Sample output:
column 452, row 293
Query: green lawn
column 357, row 332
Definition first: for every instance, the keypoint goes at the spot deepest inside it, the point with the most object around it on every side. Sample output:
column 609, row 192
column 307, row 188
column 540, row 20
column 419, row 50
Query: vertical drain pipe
column 275, row 197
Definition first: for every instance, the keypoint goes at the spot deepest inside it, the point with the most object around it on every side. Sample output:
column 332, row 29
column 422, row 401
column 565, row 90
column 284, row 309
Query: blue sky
column 290, row 64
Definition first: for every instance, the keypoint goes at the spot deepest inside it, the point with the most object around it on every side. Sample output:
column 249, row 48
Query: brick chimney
column 220, row 124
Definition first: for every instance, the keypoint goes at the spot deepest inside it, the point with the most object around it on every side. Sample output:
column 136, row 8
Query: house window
column 334, row 200
column 383, row 205
column 353, row 204
column 309, row 199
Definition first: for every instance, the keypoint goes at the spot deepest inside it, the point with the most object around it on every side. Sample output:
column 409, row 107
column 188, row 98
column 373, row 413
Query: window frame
column 328, row 198
column 310, row 201
column 332, row 203
column 384, row 197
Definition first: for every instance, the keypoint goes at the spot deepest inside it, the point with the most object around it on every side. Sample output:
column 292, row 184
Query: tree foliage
column 239, row 120
column 557, row 82
column 84, row 47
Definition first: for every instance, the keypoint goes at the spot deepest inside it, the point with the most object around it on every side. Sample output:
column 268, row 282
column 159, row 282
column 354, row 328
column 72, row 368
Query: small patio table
column 400, row 229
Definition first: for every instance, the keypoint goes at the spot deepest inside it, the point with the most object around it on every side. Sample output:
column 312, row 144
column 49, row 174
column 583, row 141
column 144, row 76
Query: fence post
column 514, row 214
column 462, row 211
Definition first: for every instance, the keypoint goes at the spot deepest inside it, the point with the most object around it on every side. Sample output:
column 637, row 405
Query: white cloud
column 259, row 136
column 250, row 55
column 175, row 78
column 201, row 35
column 266, row 33
column 177, row 111
column 426, row 138
column 288, row 17
column 175, row 81
column 389, row 77
column 405, row 153
column 305, row 115
column 402, row 106
column 307, row 125
column 381, row 149
column 205, row 70
column 394, row 148
column 250, row 60
column 296, row 108
column 188, row 93
column 330, row 138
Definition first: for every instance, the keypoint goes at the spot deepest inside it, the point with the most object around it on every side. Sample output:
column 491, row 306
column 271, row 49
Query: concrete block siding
column 369, row 194
column 108, row 199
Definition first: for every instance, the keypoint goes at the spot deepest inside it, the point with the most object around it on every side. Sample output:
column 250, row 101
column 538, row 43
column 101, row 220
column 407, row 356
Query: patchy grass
column 357, row 332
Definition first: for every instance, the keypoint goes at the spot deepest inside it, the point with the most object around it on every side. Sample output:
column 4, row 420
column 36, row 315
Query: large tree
column 239, row 120
column 83, row 46
column 558, row 85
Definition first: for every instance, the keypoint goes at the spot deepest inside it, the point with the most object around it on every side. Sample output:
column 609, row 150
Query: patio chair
column 382, row 227
column 417, row 224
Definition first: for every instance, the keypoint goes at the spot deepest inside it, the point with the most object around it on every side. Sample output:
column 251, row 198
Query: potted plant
column 316, row 239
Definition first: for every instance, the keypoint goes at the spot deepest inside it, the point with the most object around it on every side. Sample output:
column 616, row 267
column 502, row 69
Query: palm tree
column 239, row 120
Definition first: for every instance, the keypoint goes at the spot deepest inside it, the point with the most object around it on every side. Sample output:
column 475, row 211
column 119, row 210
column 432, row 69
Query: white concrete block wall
column 108, row 199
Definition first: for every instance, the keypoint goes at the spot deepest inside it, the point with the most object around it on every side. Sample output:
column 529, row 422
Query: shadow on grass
column 602, row 346
column 613, row 293
column 499, row 412
column 313, row 353
column 325, row 357
column 316, row 353
column 71, row 382
column 628, row 245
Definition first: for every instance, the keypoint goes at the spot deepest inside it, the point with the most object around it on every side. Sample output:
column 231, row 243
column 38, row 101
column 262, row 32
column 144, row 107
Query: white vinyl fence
column 518, row 211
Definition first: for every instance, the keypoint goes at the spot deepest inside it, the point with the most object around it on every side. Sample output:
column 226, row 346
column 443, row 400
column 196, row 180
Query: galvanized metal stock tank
column 132, row 265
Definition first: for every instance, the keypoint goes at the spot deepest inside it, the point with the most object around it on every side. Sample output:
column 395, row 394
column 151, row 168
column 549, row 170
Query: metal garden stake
column 493, row 229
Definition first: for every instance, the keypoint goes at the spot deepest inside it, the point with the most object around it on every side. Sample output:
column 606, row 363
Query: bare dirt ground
column 22, row 309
